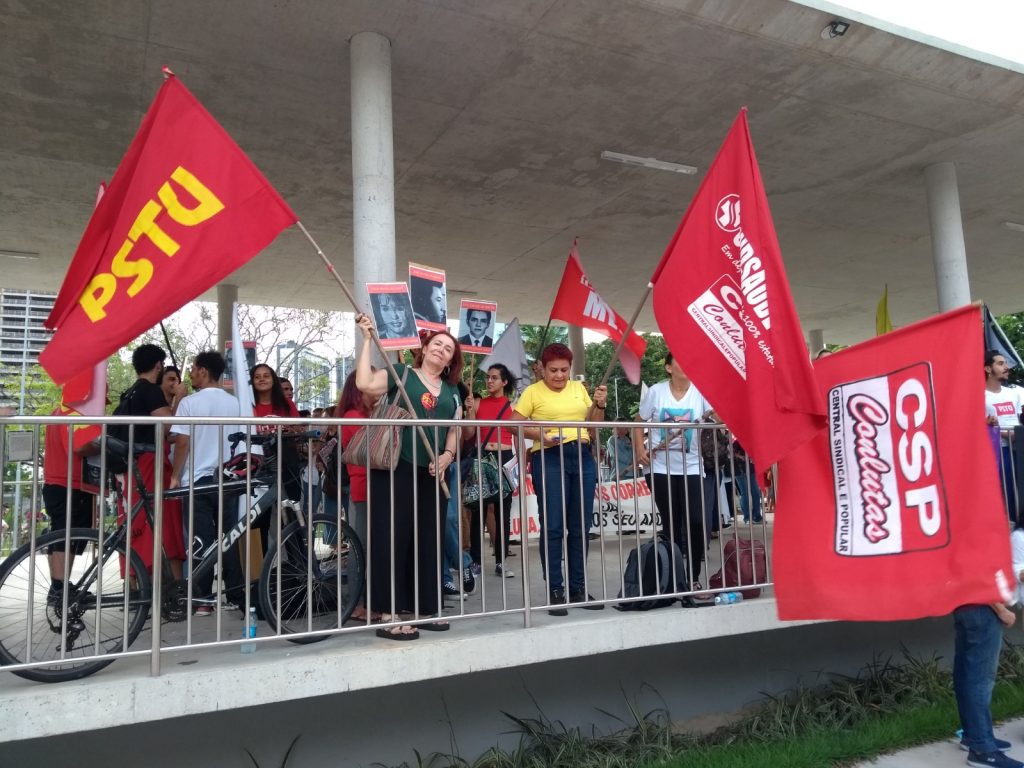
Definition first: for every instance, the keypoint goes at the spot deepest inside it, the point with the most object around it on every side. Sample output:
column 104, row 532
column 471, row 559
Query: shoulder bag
column 482, row 477
column 379, row 444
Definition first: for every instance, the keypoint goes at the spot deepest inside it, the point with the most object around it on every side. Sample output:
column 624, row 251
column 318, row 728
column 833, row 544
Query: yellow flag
column 882, row 322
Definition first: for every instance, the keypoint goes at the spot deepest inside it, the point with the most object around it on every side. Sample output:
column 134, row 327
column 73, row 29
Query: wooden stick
column 380, row 348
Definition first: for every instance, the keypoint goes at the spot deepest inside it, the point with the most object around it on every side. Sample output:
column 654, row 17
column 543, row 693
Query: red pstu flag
column 722, row 300
column 895, row 512
column 578, row 303
column 185, row 209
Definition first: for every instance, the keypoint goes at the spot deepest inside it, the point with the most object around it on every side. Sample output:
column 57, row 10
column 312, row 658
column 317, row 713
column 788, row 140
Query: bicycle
column 310, row 581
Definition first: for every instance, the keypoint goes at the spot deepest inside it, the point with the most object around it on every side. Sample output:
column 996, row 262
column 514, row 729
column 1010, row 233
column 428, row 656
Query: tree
column 41, row 394
column 533, row 335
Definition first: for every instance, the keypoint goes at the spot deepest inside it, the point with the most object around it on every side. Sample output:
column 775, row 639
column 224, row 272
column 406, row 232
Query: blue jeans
column 750, row 495
column 979, row 638
column 558, row 474
column 452, row 545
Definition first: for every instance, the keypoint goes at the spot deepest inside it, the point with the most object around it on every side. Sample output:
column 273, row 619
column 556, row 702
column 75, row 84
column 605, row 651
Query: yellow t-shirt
column 540, row 403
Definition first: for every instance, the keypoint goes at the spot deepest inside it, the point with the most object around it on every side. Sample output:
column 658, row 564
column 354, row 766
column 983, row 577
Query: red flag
column 579, row 304
column 895, row 511
column 85, row 394
column 185, row 209
column 722, row 300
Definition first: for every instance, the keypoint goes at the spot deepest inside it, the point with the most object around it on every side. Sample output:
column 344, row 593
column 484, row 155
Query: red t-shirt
column 487, row 409
column 263, row 410
column 356, row 472
column 55, row 457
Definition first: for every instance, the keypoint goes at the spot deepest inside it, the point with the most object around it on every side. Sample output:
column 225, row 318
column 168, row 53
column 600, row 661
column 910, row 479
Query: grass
column 885, row 708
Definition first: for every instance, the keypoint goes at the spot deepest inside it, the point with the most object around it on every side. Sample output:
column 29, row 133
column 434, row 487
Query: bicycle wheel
column 316, row 576
column 106, row 607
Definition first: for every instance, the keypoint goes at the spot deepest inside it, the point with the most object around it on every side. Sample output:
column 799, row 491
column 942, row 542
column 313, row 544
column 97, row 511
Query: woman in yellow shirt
column 563, row 470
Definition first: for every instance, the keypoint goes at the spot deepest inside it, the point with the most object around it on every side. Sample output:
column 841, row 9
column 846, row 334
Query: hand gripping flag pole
column 376, row 340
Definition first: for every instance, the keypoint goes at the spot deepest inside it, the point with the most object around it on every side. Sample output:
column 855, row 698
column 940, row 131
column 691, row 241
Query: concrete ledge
column 198, row 681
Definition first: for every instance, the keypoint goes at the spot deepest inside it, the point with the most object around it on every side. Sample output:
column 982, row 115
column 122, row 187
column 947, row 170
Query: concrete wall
column 691, row 680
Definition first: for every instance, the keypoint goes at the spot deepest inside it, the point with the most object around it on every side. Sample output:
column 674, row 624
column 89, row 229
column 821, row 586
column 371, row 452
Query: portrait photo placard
column 392, row 314
column 429, row 293
column 476, row 326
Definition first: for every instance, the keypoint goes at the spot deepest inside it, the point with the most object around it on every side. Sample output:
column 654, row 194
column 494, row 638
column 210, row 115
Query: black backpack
column 655, row 568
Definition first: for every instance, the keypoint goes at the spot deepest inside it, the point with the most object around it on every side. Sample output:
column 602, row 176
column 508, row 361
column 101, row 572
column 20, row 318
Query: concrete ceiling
column 501, row 111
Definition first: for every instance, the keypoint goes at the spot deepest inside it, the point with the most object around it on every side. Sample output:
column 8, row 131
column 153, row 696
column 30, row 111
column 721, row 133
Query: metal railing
column 272, row 528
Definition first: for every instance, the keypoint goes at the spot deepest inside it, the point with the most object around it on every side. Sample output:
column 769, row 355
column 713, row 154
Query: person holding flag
column 564, row 472
column 675, row 461
column 69, row 502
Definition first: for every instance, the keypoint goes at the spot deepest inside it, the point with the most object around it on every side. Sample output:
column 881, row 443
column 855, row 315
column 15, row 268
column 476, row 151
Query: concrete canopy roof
column 501, row 110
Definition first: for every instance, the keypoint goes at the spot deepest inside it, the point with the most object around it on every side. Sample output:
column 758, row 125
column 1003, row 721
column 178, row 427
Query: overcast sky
column 987, row 30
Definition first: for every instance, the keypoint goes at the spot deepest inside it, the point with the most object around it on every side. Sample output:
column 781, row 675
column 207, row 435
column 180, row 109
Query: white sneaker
column 503, row 572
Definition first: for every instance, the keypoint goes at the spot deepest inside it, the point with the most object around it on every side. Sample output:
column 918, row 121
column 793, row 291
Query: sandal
column 360, row 615
column 436, row 626
column 398, row 633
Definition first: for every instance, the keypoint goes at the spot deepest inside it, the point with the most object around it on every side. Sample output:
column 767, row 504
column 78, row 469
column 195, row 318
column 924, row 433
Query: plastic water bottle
column 250, row 632
column 728, row 598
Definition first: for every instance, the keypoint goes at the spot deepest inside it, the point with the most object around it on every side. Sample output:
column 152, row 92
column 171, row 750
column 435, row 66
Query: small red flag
column 185, row 209
column 578, row 303
column 895, row 512
column 85, row 394
column 722, row 300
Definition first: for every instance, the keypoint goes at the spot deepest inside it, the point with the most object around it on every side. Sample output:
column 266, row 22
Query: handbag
column 378, row 444
column 484, row 481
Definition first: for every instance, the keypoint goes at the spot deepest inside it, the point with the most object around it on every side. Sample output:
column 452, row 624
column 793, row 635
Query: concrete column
column 948, row 250
column 816, row 340
column 373, row 164
column 579, row 352
column 227, row 295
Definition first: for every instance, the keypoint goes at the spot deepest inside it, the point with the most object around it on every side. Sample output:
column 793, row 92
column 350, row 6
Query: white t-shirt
column 205, row 439
column 1007, row 403
column 674, row 451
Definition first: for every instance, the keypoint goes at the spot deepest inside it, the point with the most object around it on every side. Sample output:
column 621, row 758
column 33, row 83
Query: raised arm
column 373, row 383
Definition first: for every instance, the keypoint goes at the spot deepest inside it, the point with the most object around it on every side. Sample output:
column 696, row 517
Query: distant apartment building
column 22, row 338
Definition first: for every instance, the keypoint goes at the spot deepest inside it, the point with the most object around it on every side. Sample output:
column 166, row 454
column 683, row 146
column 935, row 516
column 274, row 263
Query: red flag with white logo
column 722, row 300
column 578, row 303
column 895, row 511
column 185, row 209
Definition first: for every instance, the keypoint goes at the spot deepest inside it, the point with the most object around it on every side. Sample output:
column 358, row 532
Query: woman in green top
column 405, row 506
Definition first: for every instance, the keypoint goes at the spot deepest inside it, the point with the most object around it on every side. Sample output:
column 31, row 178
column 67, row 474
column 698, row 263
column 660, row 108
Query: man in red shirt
column 497, row 442
column 56, row 498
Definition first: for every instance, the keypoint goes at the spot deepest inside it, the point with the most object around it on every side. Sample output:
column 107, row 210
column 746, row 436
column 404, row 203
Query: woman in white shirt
column 673, row 454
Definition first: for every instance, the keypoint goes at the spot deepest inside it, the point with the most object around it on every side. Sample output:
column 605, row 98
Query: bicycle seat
column 118, row 448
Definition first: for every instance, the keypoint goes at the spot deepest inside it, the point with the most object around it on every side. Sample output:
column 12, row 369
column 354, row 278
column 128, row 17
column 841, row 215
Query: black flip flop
column 390, row 634
column 435, row 626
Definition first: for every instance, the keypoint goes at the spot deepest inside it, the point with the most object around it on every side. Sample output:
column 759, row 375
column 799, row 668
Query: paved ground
column 947, row 754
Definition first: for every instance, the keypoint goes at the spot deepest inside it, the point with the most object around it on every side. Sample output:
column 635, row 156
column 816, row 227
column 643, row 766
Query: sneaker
column 557, row 597
column 475, row 569
column 55, row 595
column 503, row 572
column 1002, row 746
column 580, row 596
column 448, row 588
column 994, row 759
column 468, row 580
column 205, row 609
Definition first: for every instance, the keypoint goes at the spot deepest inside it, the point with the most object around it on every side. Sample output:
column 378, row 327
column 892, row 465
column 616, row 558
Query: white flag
column 240, row 368
column 510, row 352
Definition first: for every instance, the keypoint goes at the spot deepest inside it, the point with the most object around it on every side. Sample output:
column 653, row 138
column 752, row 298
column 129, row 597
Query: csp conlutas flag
column 895, row 511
